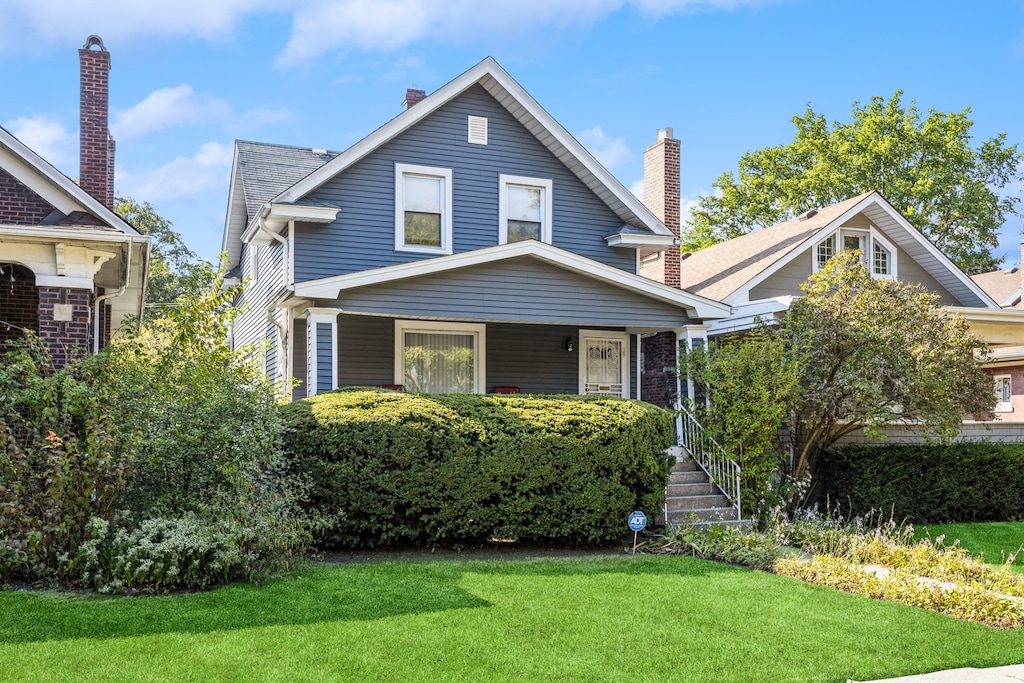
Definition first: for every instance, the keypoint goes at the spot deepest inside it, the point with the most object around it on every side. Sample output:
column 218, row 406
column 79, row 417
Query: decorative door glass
column 603, row 367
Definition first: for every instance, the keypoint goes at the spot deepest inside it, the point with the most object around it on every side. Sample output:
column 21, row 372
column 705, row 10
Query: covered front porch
column 517, row 318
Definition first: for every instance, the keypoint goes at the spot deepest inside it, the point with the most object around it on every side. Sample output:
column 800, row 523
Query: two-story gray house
column 470, row 244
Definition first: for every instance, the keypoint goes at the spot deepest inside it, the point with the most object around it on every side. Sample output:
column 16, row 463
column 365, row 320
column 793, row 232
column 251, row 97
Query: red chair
column 392, row 387
column 506, row 390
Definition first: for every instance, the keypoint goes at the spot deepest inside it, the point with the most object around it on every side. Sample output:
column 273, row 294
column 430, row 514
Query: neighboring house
column 759, row 275
column 1006, row 349
column 470, row 244
column 70, row 269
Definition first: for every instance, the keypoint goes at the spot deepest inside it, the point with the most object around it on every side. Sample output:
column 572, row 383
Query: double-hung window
column 524, row 209
column 423, row 209
column 439, row 358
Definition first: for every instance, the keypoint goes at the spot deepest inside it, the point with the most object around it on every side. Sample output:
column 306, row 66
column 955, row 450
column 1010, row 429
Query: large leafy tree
column 854, row 352
column 172, row 264
column 924, row 164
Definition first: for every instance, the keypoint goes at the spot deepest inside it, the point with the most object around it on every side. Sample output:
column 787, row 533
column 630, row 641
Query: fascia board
column 36, row 165
column 443, row 95
column 331, row 287
column 56, row 234
column 944, row 260
column 637, row 241
column 229, row 246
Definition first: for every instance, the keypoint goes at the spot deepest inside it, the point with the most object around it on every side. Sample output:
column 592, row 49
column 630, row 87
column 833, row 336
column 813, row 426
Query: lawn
column 595, row 618
column 994, row 540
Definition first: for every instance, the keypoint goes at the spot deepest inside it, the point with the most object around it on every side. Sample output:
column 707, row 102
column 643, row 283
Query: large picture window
column 524, row 209
column 439, row 358
column 423, row 209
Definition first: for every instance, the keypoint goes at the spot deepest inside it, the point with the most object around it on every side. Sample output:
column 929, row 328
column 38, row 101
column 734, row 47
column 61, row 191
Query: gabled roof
column 506, row 91
column 78, row 206
column 729, row 270
column 1002, row 285
column 331, row 287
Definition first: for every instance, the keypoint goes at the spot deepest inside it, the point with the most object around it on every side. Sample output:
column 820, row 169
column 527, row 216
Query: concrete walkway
column 999, row 674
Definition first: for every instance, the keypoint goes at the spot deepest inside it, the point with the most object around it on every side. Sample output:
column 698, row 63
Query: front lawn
column 644, row 618
column 994, row 540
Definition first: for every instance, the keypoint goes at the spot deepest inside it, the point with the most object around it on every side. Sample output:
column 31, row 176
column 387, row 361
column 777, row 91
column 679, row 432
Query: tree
column 853, row 352
column 172, row 264
column 924, row 164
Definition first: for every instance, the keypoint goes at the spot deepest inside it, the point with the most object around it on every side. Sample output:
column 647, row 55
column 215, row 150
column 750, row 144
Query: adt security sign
column 637, row 521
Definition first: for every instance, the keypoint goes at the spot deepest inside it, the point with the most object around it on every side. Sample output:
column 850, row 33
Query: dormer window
column 524, row 209
column 878, row 255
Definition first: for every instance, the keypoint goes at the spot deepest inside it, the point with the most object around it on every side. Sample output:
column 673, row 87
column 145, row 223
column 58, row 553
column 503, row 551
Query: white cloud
column 637, row 188
column 206, row 171
column 608, row 150
column 45, row 137
column 166, row 108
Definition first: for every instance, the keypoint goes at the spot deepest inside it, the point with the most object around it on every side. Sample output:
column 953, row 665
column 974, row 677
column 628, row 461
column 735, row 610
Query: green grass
column 644, row 618
column 993, row 540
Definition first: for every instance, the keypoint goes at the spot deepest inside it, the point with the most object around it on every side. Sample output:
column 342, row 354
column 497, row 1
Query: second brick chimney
column 96, row 158
column 413, row 96
column 661, row 196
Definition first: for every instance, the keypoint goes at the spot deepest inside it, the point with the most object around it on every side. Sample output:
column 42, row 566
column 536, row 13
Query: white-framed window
column 524, row 209
column 604, row 363
column 1004, row 394
column 878, row 255
column 423, row 209
column 440, row 358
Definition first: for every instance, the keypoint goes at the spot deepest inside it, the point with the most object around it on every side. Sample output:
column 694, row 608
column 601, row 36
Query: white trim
column 545, row 184
column 445, row 176
column 314, row 316
column 624, row 363
column 272, row 218
column 634, row 241
column 479, row 330
column 697, row 306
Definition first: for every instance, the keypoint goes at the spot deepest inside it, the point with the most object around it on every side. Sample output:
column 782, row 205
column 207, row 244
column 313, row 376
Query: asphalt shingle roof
column 268, row 170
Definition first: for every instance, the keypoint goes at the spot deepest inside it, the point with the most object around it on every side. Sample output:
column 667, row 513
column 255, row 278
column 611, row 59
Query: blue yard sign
column 637, row 521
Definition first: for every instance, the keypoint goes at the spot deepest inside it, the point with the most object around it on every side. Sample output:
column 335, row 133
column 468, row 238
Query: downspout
column 285, row 351
column 113, row 295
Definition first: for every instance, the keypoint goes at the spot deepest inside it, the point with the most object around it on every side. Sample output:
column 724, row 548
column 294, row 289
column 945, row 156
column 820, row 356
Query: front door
column 604, row 364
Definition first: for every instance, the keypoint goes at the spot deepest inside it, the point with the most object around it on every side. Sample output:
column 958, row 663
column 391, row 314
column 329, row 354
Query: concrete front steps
column 692, row 499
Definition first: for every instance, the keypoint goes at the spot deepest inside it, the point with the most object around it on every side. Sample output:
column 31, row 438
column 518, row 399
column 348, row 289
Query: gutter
column 100, row 299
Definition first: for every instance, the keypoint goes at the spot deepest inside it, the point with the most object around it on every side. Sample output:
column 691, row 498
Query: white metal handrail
column 723, row 471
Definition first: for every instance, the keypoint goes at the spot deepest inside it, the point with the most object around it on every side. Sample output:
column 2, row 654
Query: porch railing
column 723, row 471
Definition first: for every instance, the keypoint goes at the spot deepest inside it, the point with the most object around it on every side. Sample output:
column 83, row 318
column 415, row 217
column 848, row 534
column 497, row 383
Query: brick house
column 1005, row 334
column 71, row 270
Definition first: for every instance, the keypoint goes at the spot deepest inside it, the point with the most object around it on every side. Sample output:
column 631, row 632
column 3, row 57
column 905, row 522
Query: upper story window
column 878, row 255
column 524, row 209
column 423, row 209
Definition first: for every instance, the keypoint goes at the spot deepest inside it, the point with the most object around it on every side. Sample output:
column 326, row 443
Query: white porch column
column 322, row 350
column 689, row 338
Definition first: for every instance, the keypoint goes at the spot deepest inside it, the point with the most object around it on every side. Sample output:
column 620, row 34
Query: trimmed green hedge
column 397, row 468
column 962, row 482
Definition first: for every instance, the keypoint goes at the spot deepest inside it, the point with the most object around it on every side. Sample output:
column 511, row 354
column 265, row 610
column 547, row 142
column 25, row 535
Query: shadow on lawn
column 321, row 594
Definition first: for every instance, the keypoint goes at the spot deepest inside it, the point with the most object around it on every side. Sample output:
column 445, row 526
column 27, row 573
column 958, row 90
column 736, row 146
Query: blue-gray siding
column 325, row 354
column 518, row 290
column 363, row 235
column 531, row 357
column 299, row 344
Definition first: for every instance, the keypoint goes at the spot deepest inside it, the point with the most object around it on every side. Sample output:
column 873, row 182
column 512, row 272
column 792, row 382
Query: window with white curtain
column 439, row 358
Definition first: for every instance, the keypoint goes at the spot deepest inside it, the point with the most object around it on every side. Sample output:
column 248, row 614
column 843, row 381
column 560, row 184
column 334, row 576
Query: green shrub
column 932, row 484
column 394, row 468
column 722, row 544
column 62, row 461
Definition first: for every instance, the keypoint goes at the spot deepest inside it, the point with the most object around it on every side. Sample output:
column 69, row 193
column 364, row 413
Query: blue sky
column 191, row 76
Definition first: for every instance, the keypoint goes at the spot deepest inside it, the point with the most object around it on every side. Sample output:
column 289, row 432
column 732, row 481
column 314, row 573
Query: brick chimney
column 661, row 196
column 413, row 96
column 96, row 156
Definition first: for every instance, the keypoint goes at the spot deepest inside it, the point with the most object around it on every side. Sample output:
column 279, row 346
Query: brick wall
column 19, row 302
column 1016, row 373
column 96, row 147
column 20, row 205
column 661, row 196
column 66, row 339
column 657, row 385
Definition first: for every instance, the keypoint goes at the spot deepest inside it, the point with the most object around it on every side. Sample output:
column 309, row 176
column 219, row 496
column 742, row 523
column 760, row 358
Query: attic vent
column 478, row 130
column 319, row 152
